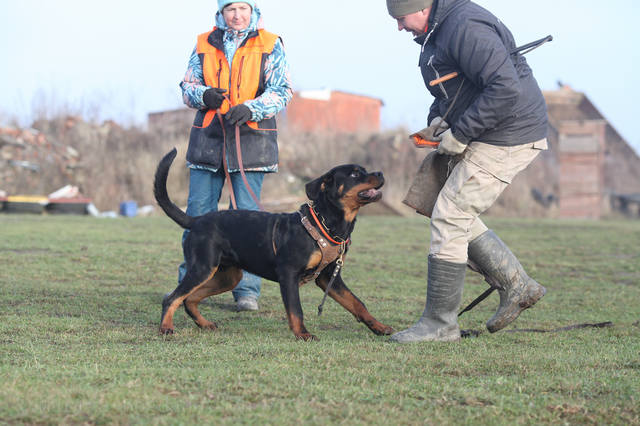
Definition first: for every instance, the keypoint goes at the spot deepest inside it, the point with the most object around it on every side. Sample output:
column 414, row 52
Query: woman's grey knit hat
column 398, row 8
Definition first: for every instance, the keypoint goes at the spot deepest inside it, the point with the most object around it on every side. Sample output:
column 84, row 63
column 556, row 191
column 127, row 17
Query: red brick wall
column 581, row 163
column 342, row 113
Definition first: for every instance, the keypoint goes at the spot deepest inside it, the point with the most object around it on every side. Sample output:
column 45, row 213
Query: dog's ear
column 316, row 186
column 313, row 189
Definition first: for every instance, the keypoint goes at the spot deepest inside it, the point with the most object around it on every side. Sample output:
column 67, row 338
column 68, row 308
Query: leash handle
column 533, row 45
column 528, row 47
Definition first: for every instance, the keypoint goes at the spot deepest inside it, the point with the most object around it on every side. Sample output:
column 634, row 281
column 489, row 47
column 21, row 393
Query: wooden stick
column 443, row 78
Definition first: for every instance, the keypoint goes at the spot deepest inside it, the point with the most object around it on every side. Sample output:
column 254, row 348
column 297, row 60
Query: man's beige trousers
column 475, row 183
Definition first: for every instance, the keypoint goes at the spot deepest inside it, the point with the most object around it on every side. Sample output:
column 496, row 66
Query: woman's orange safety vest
column 244, row 80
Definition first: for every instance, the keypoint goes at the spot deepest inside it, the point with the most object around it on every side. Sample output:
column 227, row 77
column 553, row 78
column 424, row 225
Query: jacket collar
column 440, row 10
column 216, row 38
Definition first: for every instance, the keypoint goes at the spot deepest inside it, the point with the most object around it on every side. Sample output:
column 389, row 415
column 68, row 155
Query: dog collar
column 324, row 228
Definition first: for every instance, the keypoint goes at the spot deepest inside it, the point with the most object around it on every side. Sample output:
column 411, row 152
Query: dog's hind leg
column 341, row 294
column 194, row 279
column 225, row 279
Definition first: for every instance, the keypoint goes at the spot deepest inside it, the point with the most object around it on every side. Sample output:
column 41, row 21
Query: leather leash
column 244, row 177
column 606, row 324
column 339, row 263
column 225, row 164
column 477, row 300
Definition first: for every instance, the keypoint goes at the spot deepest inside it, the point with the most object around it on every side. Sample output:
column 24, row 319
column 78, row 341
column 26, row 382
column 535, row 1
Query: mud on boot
column 503, row 271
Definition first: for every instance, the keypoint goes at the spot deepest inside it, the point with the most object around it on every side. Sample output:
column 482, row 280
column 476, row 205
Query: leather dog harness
column 329, row 252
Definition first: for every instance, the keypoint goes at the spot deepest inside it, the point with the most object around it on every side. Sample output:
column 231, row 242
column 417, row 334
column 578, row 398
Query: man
column 241, row 70
column 492, row 122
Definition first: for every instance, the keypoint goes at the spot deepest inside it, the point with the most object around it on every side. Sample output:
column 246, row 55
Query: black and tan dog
column 277, row 247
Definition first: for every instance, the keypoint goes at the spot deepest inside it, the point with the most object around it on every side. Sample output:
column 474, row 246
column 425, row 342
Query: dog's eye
column 355, row 174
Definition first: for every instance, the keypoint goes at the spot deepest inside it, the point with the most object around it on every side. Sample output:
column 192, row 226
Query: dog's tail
column 160, row 192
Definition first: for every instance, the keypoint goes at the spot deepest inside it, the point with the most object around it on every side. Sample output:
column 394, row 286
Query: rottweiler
column 275, row 246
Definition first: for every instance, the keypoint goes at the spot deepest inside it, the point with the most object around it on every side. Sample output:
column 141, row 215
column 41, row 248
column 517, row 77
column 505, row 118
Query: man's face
column 415, row 23
column 237, row 15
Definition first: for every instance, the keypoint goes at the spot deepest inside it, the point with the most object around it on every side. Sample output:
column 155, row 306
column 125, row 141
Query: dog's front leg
column 289, row 289
column 341, row 294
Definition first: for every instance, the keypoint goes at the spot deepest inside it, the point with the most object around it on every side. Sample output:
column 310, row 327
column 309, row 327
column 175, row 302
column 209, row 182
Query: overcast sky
column 122, row 59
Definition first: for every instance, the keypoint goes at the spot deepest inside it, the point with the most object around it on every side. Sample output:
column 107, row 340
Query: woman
column 239, row 70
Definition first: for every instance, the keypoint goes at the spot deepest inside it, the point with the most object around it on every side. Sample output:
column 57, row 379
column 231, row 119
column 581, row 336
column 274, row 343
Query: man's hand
column 430, row 134
column 450, row 145
column 213, row 97
column 437, row 122
column 436, row 128
column 238, row 114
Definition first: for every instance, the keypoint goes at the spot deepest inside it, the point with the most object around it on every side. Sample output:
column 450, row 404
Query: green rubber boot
column 439, row 321
column 503, row 271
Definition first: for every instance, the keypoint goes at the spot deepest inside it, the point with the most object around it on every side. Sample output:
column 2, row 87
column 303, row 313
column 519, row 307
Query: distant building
column 595, row 167
column 312, row 111
column 317, row 111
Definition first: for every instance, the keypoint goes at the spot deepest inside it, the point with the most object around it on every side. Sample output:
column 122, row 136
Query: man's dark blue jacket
column 500, row 102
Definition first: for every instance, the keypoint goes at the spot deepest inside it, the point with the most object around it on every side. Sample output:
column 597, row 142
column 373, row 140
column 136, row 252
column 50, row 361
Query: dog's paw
column 166, row 331
column 307, row 337
column 382, row 330
column 209, row 326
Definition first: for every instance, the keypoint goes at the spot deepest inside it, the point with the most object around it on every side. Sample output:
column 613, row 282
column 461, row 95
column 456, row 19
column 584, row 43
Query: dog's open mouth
column 370, row 195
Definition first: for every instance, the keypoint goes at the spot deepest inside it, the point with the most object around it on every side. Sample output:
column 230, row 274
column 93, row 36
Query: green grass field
column 79, row 340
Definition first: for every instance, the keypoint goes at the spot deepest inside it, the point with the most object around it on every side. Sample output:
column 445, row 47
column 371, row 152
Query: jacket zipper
column 430, row 63
column 239, row 78
column 426, row 39
column 219, row 70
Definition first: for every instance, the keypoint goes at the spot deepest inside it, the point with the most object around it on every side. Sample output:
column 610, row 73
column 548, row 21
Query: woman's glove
column 238, row 114
column 213, row 97
column 450, row 145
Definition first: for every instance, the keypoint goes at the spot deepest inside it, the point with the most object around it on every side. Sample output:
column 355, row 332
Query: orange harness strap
column 324, row 232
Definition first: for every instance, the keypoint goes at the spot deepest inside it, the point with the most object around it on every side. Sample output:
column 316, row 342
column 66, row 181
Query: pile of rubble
column 32, row 162
column 108, row 163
